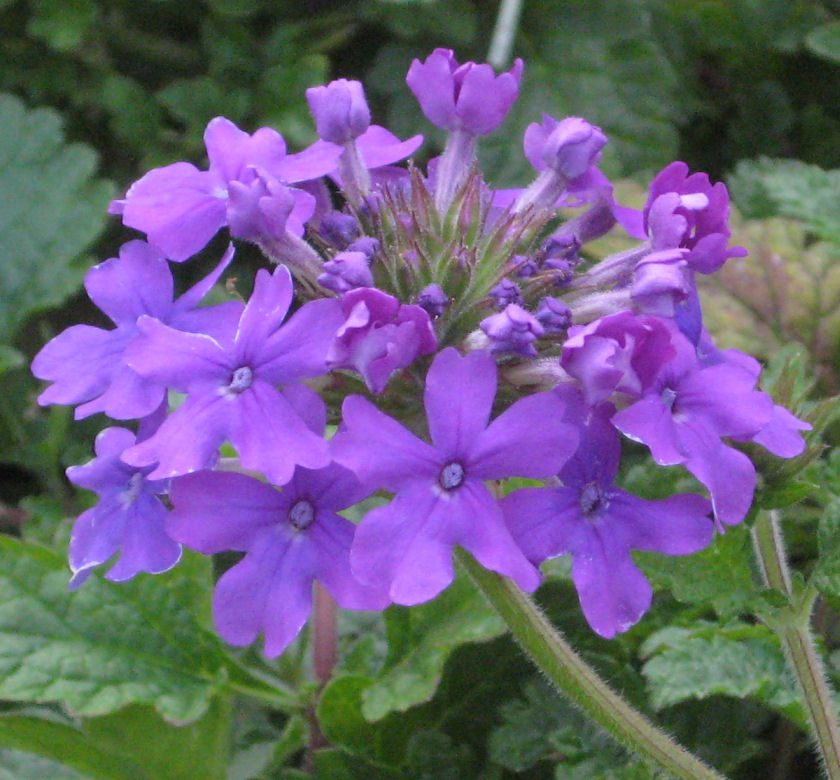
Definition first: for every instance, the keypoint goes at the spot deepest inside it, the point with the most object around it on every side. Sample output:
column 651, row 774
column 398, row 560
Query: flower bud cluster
column 391, row 302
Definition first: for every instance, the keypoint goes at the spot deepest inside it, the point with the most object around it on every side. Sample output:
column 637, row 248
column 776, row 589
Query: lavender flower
column 231, row 388
column 290, row 537
column 379, row 336
column 86, row 364
column 441, row 499
column 599, row 524
column 181, row 208
column 129, row 517
column 683, row 416
column 466, row 97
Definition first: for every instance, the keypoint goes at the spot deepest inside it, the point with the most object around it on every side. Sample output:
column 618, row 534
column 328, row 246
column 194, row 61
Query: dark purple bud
column 506, row 292
column 526, row 267
column 553, row 315
column 433, row 300
column 561, row 246
column 512, row 330
column 569, row 147
column 346, row 271
column 367, row 245
column 340, row 110
column 338, row 229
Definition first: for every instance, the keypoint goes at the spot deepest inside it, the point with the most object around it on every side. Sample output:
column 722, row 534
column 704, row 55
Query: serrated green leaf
column 720, row 576
column 132, row 744
column 824, row 41
column 430, row 632
column 564, row 737
column 432, row 755
column 738, row 660
column 789, row 188
column 17, row 765
column 340, row 715
column 103, row 646
column 50, row 211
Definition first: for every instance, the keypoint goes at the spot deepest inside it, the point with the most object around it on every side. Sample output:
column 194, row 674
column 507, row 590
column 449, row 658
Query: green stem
column 793, row 628
column 504, row 33
column 245, row 682
column 572, row 676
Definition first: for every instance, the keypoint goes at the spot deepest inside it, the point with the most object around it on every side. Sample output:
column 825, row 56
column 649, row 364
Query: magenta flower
column 599, row 524
column 622, row 352
column 466, row 97
column 290, row 537
column 379, row 336
column 86, row 364
column 181, row 208
column 441, row 498
column 231, row 389
column 129, row 517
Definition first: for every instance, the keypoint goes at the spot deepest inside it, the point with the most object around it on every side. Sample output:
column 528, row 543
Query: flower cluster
column 456, row 335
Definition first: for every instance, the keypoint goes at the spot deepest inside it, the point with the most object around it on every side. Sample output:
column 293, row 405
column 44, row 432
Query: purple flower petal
column 650, row 421
column 613, row 593
column 214, row 511
column 402, row 456
column 269, row 590
column 536, row 419
column 271, row 437
column 379, row 146
column 457, row 418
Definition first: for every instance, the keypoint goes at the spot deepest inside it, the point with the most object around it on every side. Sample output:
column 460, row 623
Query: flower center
column 451, row 475
column 301, row 515
column 591, row 498
column 240, row 380
column 669, row 395
column 132, row 489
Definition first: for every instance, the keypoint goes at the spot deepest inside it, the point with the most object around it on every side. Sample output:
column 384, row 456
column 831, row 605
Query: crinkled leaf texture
column 421, row 639
column 103, row 646
column 738, row 660
column 50, row 211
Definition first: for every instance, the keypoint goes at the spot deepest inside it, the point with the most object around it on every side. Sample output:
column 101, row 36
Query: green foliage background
column 129, row 681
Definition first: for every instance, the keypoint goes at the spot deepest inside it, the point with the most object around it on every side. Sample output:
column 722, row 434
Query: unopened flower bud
column 512, row 330
column 568, row 147
column 340, row 110
column 346, row 271
column 433, row 299
column 553, row 315
column 506, row 292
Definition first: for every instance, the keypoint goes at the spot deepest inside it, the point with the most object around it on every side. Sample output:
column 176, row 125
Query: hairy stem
column 573, row 677
column 793, row 629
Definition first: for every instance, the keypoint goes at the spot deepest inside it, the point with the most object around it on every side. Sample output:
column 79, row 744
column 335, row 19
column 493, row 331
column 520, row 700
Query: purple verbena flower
column 568, row 147
column 231, row 389
column 86, row 364
column 181, row 208
column 129, row 517
column 599, row 524
column 379, row 336
column 290, row 537
column 685, row 412
column 622, row 352
column 441, row 499
column 466, row 97
column 512, row 330
column 346, row 271
column 340, row 110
